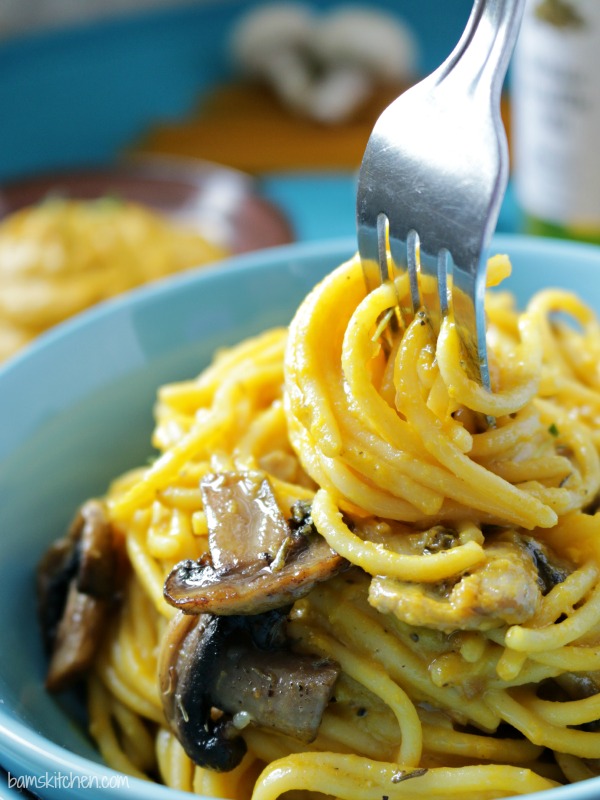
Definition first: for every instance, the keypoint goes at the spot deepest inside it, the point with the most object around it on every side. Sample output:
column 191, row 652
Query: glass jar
column 555, row 93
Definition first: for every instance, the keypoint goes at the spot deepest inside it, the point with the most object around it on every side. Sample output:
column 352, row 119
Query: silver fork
column 433, row 178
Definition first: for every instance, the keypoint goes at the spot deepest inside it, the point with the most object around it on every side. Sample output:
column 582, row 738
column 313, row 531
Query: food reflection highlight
column 337, row 577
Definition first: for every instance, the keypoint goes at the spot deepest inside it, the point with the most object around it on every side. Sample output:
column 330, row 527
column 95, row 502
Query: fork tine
column 368, row 247
column 382, row 261
column 444, row 261
column 403, row 269
column 436, row 165
column 383, row 226
column 468, row 294
column 391, row 270
column 413, row 259
column 434, row 284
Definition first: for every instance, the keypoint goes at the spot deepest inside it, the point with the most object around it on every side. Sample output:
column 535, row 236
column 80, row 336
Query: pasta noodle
column 466, row 628
column 61, row 256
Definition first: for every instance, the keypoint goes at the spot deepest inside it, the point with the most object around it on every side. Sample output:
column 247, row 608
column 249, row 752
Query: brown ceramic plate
column 222, row 203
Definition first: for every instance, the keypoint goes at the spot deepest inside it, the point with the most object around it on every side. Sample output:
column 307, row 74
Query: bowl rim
column 298, row 250
column 169, row 285
column 24, row 748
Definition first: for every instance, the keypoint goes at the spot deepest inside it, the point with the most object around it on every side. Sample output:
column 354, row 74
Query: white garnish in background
column 324, row 66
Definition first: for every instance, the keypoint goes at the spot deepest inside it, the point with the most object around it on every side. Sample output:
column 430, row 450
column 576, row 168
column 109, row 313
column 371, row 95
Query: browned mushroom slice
column 214, row 664
column 198, row 588
column 76, row 638
column 186, row 661
column 274, row 566
column 244, row 521
column 280, row 691
column 56, row 569
column 97, row 554
column 76, row 586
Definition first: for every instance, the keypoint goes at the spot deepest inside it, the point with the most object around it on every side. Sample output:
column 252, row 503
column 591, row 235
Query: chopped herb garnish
column 403, row 775
column 383, row 323
column 553, row 430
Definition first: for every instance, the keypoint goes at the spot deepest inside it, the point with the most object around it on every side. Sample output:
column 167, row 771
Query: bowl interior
column 76, row 411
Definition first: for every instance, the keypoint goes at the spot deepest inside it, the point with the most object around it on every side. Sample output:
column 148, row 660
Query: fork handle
column 480, row 59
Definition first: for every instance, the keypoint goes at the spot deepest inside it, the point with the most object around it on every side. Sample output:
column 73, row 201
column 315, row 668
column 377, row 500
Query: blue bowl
column 76, row 411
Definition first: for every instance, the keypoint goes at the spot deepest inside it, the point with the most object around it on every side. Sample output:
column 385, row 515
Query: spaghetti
column 466, row 628
column 61, row 256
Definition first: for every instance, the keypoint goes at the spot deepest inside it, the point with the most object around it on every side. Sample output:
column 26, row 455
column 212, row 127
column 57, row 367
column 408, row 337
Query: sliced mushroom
column 77, row 638
column 244, row 521
column 259, row 561
column 97, row 552
column 358, row 49
column 281, row 691
column 76, row 585
column 190, row 650
column 56, row 570
column 324, row 67
column 220, row 674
